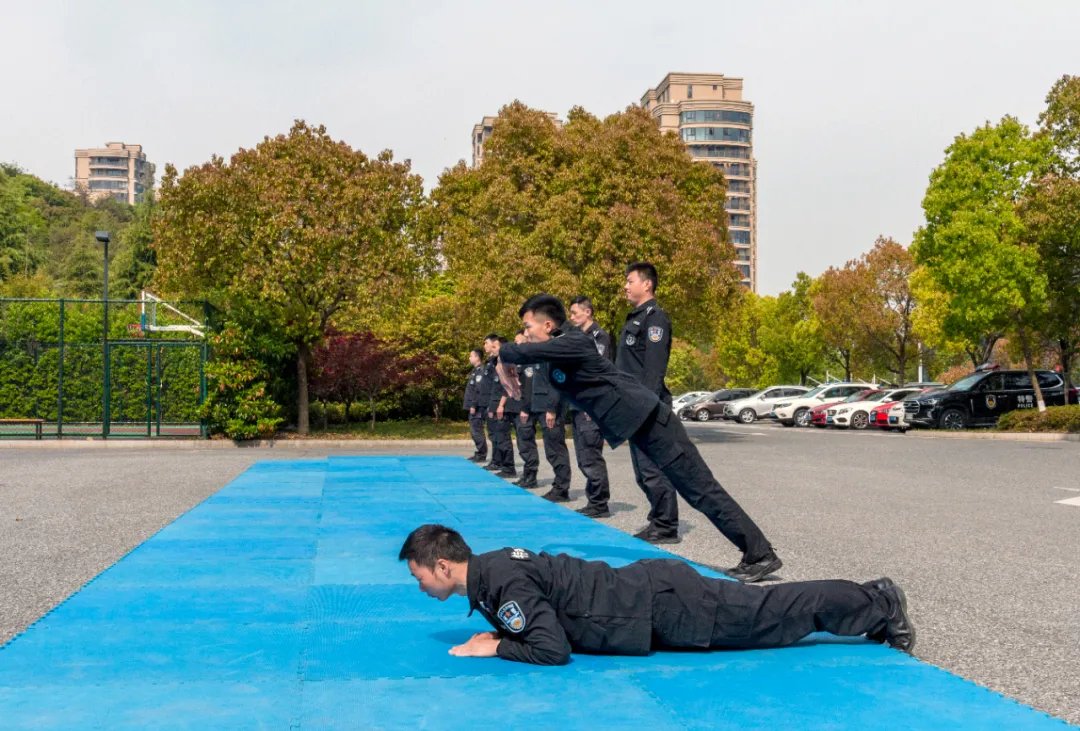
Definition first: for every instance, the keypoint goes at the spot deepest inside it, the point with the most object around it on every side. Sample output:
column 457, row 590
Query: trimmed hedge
column 1054, row 419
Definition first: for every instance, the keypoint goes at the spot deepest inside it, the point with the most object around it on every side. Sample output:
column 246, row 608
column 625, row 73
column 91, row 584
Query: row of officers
column 642, row 352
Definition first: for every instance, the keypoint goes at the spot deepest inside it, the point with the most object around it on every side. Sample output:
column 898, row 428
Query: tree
column 738, row 351
column 351, row 366
column 1060, row 121
column 565, row 210
column 887, row 312
column 983, row 279
column 290, row 233
column 838, row 301
column 791, row 331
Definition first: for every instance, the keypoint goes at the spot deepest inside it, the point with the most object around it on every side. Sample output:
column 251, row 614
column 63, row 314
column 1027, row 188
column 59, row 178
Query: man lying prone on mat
column 543, row 607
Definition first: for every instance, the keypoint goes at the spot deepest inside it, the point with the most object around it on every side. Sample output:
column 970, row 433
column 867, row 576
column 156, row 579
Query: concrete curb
column 1006, row 436
column 201, row 444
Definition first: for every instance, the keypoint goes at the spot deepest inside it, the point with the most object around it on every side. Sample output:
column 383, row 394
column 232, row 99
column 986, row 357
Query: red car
column 879, row 416
column 817, row 414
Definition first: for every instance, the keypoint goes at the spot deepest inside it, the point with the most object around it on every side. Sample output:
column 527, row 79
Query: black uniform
column 538, row 400
column 476, row 411
column 644, row 349
column 502, row 451
column 624, row 409
column 588, row 441
column 546, row 606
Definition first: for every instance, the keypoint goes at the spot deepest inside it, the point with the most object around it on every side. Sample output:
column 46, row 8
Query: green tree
column 1060, row 121
column 290, row 234
column 984, row 281
column 739, row 351
column 565, row 210
column 791, row 331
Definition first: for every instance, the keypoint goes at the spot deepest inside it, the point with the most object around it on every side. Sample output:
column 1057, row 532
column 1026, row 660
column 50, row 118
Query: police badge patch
column 991, row 401
column 479, row 378
column 529, row 371
column 510, row 614
column 519, row 554
column 630, row 340
column 558, row 376
column 656, row 333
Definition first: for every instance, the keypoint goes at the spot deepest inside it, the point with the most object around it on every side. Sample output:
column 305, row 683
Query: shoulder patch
column 529, row 370
column 600, row 348
column 558, row 376
column 511, row 615
column 630, row 340
column 479, row 378
column 519, row 554
column 656, row 334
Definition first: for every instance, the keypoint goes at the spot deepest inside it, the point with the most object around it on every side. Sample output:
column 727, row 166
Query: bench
column 36, row 423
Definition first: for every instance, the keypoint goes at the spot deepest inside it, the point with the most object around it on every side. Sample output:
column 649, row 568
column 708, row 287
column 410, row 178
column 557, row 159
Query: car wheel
column 802, row 417
column 747, row 416
column 703, row 415
column 860, row 420
column 953, row 419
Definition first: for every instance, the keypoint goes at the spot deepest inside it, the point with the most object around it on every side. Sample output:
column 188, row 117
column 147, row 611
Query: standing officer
column 502, row 450
column 544, row 606
column 588, row 441
column 526, row 428
column 625, row 410
column 542, row 404
column 472, row 405
column 644, row 348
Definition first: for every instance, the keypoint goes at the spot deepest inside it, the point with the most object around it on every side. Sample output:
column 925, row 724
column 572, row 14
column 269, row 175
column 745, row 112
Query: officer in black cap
column 644, row 349
column 588, row 441
column 626, row 410
column 473, row 407
column 544, row 607
column 502, row 449
column 543, row 405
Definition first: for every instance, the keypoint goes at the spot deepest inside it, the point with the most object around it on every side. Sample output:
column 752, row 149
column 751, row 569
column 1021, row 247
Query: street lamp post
column 103, row 237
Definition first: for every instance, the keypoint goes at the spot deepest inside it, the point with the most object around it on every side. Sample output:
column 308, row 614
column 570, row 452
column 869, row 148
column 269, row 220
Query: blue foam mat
column 279, row 603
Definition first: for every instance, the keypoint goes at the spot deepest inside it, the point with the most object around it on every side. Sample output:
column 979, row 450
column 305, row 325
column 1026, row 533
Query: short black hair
column 479, row 353
column 492, row 336
column 545, row 305
column 585, row 302
column 430, row 542
column 645, row 270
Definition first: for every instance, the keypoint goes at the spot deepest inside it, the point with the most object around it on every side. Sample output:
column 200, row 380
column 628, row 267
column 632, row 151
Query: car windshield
column 813, row 392
column 966, row 383
column 864, row 396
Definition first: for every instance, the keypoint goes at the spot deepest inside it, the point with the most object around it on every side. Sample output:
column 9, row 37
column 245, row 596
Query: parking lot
column 975, row 530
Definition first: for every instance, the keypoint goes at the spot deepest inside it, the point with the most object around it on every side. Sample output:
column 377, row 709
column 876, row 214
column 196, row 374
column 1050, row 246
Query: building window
column 737, row 204
column 717, row 115
column 714, row 87
column 744, row 270
column 740, row 237
column 739, row 219
column 720, row 134
column 738, row 186
column 689, row 91
column 719, row 151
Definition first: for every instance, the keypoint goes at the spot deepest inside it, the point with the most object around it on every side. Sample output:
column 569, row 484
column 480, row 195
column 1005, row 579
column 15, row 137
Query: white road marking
column 1074, row 501
column 1070, row 489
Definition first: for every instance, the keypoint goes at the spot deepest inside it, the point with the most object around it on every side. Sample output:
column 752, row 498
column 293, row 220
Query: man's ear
column 442, row 566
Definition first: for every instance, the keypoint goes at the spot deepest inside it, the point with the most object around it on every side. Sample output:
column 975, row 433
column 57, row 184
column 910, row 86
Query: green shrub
column 237, row 403
column 1054, row 419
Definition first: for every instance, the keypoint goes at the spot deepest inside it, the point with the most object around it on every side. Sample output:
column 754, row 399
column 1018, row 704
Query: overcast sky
column 855, row 101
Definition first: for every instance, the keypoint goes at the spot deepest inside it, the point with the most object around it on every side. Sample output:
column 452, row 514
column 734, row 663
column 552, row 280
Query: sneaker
column 899, row 632
column 556, row 497
column 657, row 538
column 595, row 511
column 751, row 572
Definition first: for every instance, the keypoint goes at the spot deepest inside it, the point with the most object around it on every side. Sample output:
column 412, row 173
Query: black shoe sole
column 908, row 644
column 662, row 540
column 595, row 513
column 757, row 574
column 556, row 499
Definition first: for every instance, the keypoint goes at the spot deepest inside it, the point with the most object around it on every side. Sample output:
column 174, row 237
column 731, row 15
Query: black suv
column 982, row 397
column 712, row 407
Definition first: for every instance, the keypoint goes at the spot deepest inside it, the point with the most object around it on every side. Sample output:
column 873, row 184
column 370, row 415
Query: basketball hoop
column 135, row 329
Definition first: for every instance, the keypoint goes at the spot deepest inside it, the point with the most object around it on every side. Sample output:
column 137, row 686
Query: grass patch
column 410, row 429
column 1056, row 419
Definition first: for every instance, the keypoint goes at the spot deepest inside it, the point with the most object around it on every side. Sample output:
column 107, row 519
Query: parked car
column 981, row 398
column 819, row 413
column 686, row 399
column 855, row 411
column 712, row 406
column 760, row 404
column 796, row 412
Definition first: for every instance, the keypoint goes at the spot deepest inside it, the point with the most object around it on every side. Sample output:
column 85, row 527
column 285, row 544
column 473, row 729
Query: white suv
column 796, row 412
column 754, row 407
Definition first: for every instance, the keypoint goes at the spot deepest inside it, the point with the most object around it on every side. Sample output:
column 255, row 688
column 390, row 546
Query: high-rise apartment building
column 711, row 117
column 481, row 132
column 118, row 170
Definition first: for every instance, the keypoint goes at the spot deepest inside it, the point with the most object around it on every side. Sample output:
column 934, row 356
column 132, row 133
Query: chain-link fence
column 87, row 368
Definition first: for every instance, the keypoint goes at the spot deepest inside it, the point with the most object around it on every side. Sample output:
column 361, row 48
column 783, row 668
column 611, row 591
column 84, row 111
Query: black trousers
column 502, row 451
column 773, row 616
column 663, row 440
column 589, row 451
column 476, row 430
column 663, row 505
column 555, row 450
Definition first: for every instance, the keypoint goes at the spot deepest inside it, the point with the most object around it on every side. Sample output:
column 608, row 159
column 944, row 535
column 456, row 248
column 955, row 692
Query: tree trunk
column 348, row 404
column 302, row 355
column 437, row 409
column 1025, row 346
column 371, row 400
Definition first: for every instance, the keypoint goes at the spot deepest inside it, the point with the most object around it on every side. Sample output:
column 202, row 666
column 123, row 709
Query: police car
column 981, row 398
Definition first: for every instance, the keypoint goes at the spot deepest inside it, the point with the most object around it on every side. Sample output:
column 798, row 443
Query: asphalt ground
column 972, row 529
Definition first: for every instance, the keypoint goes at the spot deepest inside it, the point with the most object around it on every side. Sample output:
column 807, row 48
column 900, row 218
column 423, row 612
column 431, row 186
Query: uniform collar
column 642, row 307
column 593, row 328
column 473, row 585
